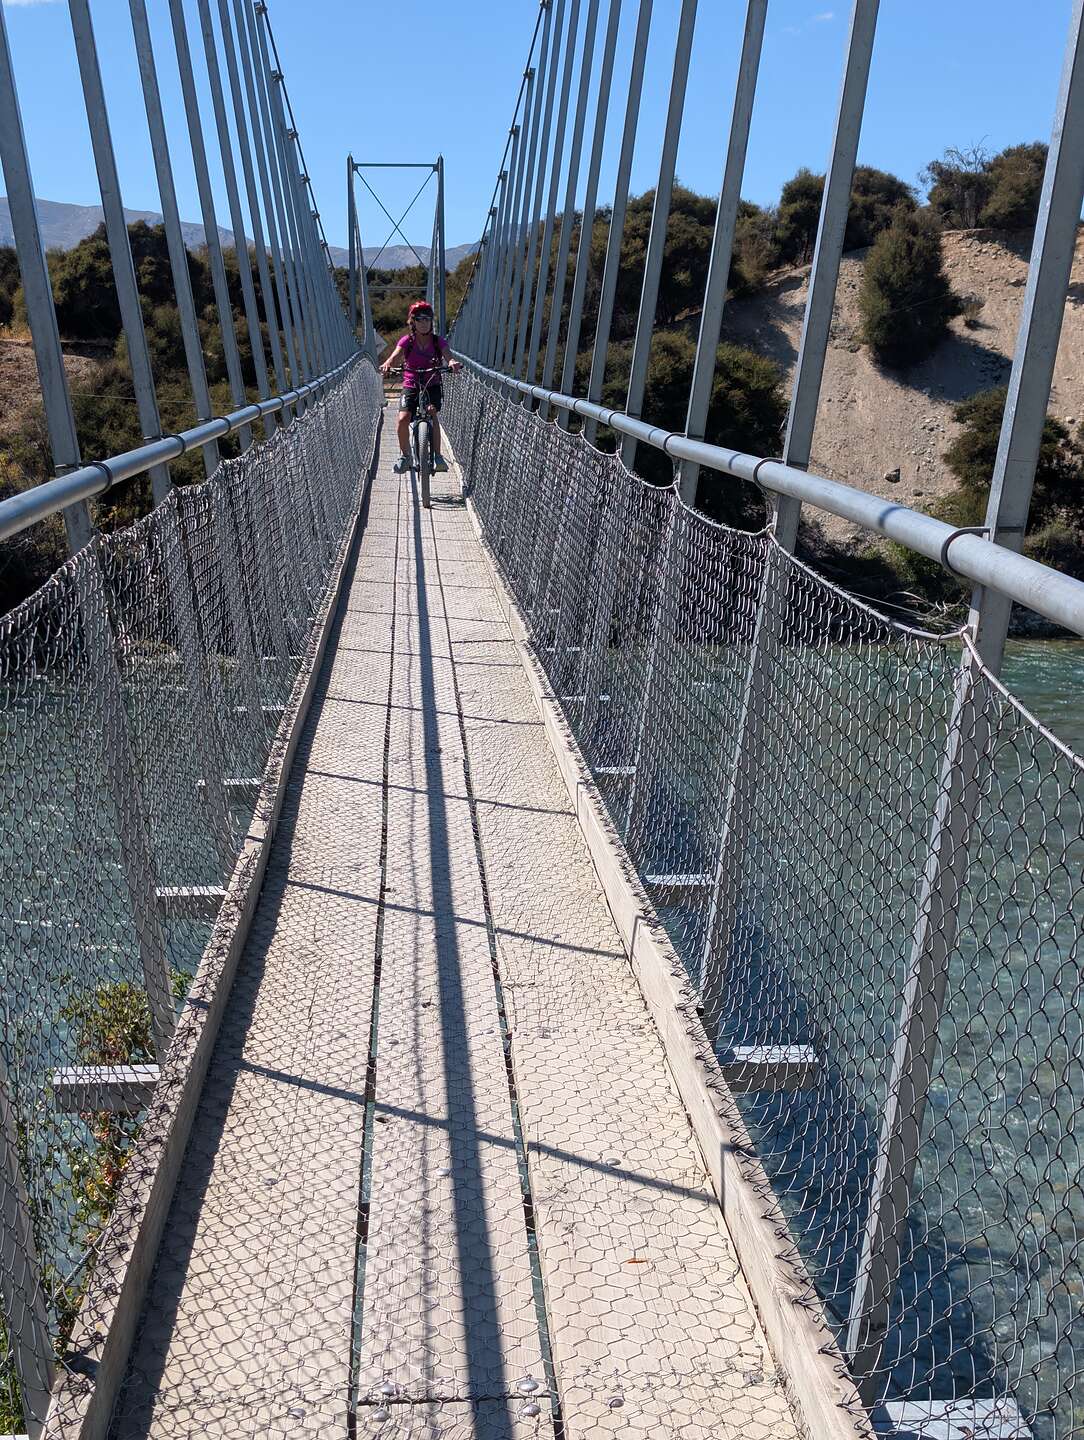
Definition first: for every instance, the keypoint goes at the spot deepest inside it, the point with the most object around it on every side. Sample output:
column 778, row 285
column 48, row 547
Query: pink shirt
column 420, row 357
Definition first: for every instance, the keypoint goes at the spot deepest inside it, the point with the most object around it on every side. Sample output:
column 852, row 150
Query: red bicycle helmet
column 420, row 307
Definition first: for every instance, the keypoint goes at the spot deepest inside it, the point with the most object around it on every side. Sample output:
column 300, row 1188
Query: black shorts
column 408, row 400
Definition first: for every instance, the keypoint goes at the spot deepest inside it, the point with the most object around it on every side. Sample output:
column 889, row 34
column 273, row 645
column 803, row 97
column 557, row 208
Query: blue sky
column 946, row 72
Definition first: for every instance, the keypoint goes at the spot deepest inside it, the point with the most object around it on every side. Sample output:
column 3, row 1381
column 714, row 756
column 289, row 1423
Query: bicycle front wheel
column 425, row 458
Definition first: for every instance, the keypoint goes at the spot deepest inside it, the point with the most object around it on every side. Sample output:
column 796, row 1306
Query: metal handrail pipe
column 21, row 511
column 1048, row 592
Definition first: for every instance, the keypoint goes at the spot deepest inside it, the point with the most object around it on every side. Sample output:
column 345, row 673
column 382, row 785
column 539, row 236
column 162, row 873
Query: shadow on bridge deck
column 440, row 1183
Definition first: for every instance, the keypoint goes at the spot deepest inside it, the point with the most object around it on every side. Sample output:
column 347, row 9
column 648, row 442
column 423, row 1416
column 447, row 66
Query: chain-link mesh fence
column 869, row 858
column 142, row 687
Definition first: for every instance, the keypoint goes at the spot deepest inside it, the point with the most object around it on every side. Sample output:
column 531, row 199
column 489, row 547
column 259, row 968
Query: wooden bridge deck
column 441, row 1182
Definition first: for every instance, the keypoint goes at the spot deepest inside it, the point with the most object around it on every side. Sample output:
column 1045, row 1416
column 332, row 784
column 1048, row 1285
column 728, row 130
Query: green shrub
column 876, row 197
column 959, row 186
column 1059, row 481
column 755, row 254
column 9, row 283
column 968, row 188
column 906, row 301
column 1059, row 543
column 747, row 411
column 1016, row 182
column 797, row 217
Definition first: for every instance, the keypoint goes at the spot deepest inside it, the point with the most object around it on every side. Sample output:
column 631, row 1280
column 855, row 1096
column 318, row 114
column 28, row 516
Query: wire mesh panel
column 141, row 690
column 871, row 860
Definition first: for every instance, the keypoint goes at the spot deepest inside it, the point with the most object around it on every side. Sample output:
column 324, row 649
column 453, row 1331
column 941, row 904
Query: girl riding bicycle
column 421, row 354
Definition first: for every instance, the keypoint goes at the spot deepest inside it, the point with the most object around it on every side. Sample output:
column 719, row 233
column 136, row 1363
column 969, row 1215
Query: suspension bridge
column 542, row 963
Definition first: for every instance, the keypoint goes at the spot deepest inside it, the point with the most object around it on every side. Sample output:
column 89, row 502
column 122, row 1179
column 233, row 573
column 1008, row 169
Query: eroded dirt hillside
column 873, row 422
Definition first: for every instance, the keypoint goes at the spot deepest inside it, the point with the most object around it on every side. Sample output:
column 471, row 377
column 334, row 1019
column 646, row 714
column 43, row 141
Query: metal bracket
column 983, row 530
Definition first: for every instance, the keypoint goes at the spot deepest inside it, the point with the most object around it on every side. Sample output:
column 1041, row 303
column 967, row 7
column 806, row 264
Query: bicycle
column 421, row 434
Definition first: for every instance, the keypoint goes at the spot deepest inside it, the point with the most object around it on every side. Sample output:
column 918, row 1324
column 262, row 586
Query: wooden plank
column 249, row 1316
column 825, row 1400
column 651, row 1326
column 448, row 1307
column 104, row 1332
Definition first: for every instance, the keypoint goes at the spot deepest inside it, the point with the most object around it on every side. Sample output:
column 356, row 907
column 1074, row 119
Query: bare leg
column 402, row 430
column 435, row 424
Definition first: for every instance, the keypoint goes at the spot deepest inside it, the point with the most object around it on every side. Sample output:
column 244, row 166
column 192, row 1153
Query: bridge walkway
column 440, row 1182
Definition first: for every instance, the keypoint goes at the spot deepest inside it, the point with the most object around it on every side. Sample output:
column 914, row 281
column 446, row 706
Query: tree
column 905, row 300
column 1016, row 182
column 959, row 186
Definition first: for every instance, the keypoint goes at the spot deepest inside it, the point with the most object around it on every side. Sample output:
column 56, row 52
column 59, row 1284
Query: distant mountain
column 398, row 257
column 63, row 226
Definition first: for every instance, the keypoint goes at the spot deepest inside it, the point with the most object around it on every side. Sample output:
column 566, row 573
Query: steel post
column 967, row 755
column 116, row 229
column 612, row 263
column 352, row 228
column 516, row 188
column 233, row 200
column 564, row 243
column 442, row 267
column 38, row 294
column 493, row 299
column 739, row 789
column 481, row 307
column 269, row 192
column 245, row 149
column 722, row 244
column 298, row 213
column 660, row 218
column 195, row 663
column 207, row 212
column 534, row 161
column 368, row 329
column 587, row 223
column 121, row 779
column 430, row 269
column 827, row 253
column 295, row 205
column 554, row 186
column 551, row 42
column 281, row 190
column 171, row 221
